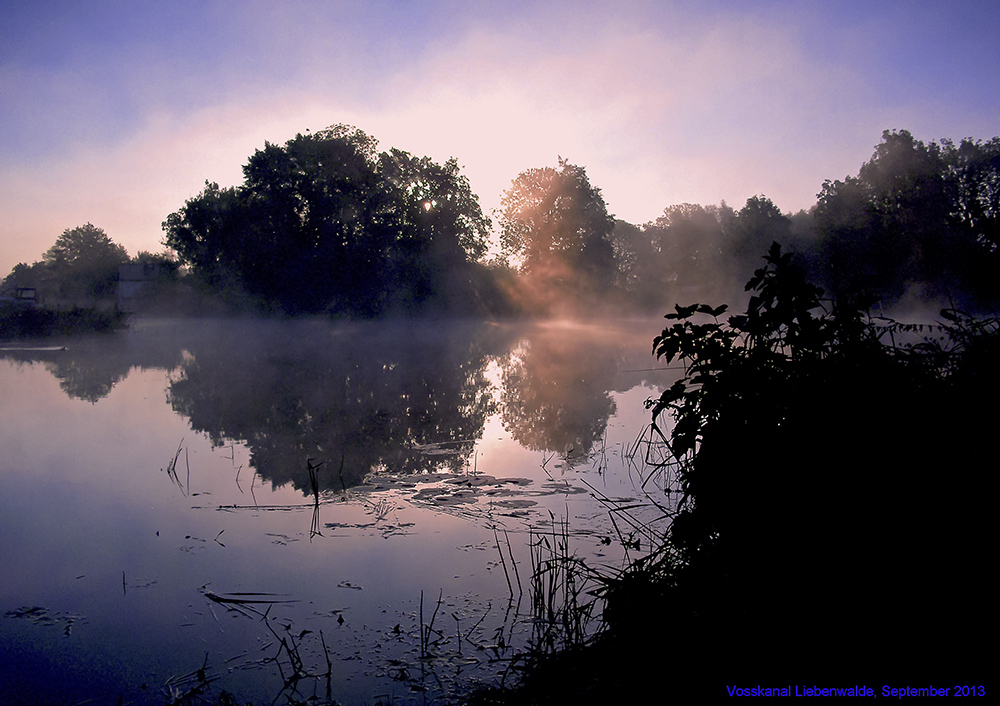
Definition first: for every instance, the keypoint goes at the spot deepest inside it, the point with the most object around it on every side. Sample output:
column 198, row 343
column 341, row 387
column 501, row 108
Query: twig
column 520, row 590
column 458, row 632
column 502, row 562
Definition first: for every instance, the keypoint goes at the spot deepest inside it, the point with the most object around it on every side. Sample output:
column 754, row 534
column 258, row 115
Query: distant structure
column 136, row 283
column 25, row 297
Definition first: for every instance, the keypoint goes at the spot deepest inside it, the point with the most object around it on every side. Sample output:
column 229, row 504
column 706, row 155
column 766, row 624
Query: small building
column 25, row 297
column 136, row 282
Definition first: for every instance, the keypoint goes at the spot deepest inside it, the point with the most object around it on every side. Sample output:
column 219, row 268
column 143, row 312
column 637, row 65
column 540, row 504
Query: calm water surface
column 218, row 499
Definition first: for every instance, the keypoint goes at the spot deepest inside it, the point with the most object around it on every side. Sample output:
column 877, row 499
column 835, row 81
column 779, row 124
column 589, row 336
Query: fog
column 347, row 466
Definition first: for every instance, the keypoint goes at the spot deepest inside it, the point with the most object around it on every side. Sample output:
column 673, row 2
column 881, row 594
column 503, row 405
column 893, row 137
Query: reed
column 288, row 658
column 510, row 553
column 187, row 688
column 503, row 563
column 563, row 594
column 427, row 630
column 314, row 485
column 171, row 468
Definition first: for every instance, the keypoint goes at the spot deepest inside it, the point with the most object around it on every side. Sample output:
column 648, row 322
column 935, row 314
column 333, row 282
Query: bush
column 21, row 323
column 833, row 528
column 834, row 475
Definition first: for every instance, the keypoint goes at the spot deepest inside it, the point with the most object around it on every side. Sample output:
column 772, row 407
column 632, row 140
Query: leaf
column 683, row 312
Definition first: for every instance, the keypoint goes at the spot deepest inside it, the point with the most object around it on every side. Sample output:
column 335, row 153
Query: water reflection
column 323, row 406
column 89, row 367
column 144, row 504
column 555, row 393
column 354, row 399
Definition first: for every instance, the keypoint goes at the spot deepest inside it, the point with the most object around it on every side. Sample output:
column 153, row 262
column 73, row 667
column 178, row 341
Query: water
column 336, row 475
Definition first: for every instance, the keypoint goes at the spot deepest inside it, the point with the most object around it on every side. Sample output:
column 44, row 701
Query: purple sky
column 115, row 112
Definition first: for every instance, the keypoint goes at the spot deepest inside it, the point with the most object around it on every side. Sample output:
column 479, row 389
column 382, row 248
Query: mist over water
column 296, row 507
column 341, row 469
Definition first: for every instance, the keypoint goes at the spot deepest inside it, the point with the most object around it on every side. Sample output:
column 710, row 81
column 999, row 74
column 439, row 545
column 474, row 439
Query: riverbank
column 20, row 324
column 835, row 528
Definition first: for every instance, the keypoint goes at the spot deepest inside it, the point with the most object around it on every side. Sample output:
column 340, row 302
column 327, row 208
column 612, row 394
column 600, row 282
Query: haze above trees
column 328, row 224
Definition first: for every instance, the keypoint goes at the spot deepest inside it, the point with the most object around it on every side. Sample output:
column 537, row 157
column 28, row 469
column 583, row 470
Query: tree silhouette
column 916, row 214
column 83, row 262
column 755, row 226
column 325, row 223
column 555, row 225
column 690, row 242
column 806, row 444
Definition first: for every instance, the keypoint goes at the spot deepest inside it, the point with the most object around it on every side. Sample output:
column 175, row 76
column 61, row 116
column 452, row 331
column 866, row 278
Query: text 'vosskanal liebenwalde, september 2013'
column 898, row 692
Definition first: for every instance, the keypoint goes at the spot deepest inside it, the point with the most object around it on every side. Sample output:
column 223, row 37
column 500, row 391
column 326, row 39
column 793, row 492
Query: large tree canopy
column 325, row 223
column 916, row 214
column 85, row 246
column 80, row 265
column 556, row 227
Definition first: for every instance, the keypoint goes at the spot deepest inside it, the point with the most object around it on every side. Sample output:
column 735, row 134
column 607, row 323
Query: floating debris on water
column 47, row 618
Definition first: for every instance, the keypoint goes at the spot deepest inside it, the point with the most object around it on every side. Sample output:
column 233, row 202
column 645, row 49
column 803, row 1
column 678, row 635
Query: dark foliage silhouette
column 326, row 224
column 80, row 268
column 917, row 215
column 833, row 528
column 826, row 458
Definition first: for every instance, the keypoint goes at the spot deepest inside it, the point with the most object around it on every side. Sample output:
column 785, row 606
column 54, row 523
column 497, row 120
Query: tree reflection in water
column 351, row 399
column 356, row 399
column 556, row 391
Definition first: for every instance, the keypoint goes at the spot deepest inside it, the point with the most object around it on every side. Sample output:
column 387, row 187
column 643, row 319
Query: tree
column 443, row 228
column 556, row 226
column 21, row 275
column 201, row 234
column 82, row 263
column 975, row 168
column 690, row 242
column 314, row 223
column 441, row 208
column 326, row 223
column 758, row 224
column 84, row 247
column 916, row 214
column 638, row 274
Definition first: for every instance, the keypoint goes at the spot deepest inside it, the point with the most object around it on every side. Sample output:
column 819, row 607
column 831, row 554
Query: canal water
column 286, row 510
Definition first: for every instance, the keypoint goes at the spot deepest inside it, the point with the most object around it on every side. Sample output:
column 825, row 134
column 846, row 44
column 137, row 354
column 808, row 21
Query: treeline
column 328, row 224
column 80, row 270
column 920, row 220
column 73, row 289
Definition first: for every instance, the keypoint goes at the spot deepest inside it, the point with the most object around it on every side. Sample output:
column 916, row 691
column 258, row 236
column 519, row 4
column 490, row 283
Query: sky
column 115, row 112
